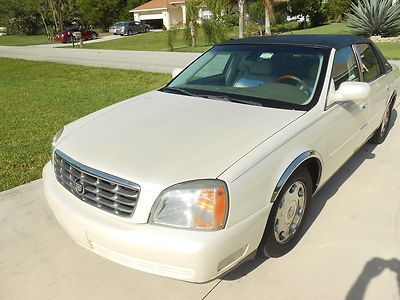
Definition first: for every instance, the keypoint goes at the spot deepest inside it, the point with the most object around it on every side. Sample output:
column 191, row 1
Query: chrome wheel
column 290, row 212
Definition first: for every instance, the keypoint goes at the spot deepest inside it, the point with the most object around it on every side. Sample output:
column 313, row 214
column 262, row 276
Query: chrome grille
column 104, row 191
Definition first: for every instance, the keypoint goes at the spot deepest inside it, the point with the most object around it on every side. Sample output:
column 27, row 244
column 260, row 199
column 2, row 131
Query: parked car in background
column 189, row 180
column 3, row 31
column 129, row 28
column 67, row 36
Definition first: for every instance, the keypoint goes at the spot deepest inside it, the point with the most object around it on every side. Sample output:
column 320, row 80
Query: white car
column 189, row 180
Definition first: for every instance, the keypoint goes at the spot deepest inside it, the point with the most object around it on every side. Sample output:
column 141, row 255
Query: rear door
column 373, row 74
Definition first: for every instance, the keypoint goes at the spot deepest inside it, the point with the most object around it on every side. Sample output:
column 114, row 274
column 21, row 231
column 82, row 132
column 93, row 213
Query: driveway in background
column 350, row 249
column 61, row 45
column 151, row 61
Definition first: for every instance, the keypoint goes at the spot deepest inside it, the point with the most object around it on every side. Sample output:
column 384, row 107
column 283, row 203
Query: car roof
column 337, row 41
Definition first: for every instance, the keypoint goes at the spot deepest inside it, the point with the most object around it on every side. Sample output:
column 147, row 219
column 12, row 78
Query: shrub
column 375, row 17
column 215, row 31
column 171, row 37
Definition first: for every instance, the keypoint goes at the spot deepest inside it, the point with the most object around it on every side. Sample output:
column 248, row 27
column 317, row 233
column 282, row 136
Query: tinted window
column 345, row 67
column 370, row 63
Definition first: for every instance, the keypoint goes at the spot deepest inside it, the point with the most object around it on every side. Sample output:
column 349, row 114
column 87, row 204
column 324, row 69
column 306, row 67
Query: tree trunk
column 53, row 11
column 193, row 33
column 269, row 16
column 45, row 26
column 241, row 18
column 267, row 23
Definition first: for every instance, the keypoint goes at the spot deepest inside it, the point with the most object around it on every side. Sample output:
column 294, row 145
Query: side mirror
column 351, row 91
column 176, row 72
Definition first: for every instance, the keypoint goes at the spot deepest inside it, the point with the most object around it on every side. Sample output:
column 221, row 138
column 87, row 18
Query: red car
column 67, row 36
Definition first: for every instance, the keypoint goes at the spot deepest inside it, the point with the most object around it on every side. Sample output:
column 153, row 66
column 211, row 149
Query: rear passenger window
column 345, row 67
column 370, row 64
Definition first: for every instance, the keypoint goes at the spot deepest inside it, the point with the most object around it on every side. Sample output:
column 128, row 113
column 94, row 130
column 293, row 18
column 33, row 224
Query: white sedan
column 189, row 180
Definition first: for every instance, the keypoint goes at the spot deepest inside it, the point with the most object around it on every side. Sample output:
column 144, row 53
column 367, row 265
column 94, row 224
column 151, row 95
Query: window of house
column 206, row 14
column 345, row 67
column 370, row 64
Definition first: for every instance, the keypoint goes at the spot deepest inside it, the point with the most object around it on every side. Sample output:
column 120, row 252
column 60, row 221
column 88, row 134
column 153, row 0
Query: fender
column 293, row 167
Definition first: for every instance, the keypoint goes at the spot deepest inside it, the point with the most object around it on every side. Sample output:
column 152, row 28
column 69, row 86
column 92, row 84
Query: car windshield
column 268, row 75
column 120, row 24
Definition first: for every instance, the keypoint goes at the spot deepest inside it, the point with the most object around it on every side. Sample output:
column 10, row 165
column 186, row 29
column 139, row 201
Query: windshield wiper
column 230, row 99
column 177, row 90
column 213, row 97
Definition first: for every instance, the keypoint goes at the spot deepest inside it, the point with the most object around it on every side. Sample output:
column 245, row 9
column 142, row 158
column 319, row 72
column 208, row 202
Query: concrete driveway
column 61, row 45
column 350, row 248
column 152, row 61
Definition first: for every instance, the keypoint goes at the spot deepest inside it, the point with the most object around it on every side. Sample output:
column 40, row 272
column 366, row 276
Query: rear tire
column 94, row 36
column 383, row 130
column 287, row 215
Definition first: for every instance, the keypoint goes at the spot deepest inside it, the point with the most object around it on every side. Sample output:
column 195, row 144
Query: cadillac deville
column 189, row 180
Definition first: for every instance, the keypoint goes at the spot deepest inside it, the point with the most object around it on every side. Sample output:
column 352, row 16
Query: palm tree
column 241, row 18
column 269, row 16
column 192, row 15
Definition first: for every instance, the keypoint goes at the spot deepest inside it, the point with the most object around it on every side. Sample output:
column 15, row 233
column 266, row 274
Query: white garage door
column 150, row 17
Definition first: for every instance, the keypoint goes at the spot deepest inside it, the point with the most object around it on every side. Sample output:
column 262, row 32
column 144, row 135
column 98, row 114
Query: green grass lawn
column 334, row 28
column 37, row 99
column 152, row 41
column 22, row 40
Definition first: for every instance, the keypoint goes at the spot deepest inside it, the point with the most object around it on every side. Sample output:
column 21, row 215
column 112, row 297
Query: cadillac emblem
column 79, row 187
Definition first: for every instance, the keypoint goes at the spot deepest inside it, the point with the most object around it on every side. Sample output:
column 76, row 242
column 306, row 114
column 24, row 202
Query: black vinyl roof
column 337, row 41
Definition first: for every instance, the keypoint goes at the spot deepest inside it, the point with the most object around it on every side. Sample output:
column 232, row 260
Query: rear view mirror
column 351, row 91
column 176, row 72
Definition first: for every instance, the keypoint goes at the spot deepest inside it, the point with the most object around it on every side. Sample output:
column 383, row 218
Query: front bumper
column 181, row 254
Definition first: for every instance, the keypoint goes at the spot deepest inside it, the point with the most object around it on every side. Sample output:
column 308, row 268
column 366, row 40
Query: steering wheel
column 299, row 83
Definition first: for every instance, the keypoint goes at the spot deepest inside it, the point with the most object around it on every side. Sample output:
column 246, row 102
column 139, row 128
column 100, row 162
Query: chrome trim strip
column 97, row 173
column 292, row 167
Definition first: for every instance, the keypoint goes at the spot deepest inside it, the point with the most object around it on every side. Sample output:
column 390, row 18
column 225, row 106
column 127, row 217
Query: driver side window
column 345, row 67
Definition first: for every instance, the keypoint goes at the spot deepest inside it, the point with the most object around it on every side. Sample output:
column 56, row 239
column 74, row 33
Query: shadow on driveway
column 372, row 269
column 319, row 201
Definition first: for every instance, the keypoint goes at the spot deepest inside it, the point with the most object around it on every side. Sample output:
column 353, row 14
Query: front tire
column 287, row 215
column 383, row 130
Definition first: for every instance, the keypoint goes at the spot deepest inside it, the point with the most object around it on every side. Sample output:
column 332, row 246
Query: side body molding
column 292, row 167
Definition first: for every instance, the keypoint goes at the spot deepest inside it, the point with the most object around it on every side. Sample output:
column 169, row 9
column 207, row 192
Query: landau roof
column 337, row 41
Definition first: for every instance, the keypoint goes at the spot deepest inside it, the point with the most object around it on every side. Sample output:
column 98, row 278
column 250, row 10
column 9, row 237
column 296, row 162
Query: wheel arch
column 309, row 159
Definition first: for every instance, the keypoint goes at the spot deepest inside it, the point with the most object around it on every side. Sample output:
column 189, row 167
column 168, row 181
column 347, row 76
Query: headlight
column 55, row 139
column 197, row 205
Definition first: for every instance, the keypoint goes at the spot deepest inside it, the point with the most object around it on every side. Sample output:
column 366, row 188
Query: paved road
column 351, row 247
column 153, row 61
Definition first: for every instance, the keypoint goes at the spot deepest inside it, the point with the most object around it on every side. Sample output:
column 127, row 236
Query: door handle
column 364, row 106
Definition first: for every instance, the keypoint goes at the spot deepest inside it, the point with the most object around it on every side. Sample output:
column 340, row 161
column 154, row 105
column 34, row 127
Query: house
column 165, row 13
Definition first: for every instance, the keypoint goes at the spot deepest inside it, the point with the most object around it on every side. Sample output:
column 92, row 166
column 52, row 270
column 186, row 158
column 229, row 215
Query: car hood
column 159, row 139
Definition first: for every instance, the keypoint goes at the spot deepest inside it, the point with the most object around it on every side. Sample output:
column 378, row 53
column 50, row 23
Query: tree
column 241, row 18
column 269, row 16
column 192, row 15
column 337, row 8
column 314, row 9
